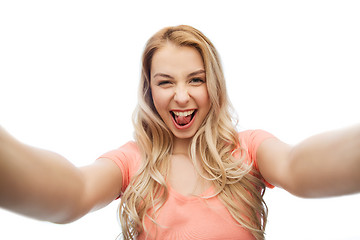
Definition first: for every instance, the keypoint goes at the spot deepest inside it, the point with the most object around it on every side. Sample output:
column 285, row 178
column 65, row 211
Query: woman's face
column 178, row 85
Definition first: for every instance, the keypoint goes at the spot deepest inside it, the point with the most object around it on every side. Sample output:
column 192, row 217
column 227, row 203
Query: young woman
column 189, row 174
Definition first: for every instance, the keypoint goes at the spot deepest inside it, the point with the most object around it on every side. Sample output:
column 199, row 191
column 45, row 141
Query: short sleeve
column 251, row 140
column 127, row 158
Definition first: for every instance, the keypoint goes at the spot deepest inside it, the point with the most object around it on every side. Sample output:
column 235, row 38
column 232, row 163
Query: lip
column 187, row 125
column 182, row 110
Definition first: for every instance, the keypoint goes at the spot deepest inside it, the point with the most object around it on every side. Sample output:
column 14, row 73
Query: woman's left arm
column 324, row 165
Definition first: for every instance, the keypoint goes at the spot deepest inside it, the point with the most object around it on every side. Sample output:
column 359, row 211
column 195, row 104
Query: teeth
column 183, row 114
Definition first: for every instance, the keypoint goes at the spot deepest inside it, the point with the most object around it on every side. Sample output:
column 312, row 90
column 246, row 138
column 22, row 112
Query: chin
column 182, row 135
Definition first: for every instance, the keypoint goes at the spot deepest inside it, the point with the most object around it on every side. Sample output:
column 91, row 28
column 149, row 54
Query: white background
column 69, row 72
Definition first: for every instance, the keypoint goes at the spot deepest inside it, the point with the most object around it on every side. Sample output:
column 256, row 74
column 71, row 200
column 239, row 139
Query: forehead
column 172, row 59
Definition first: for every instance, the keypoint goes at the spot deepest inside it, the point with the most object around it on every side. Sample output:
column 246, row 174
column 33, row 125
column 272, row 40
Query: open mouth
column 183, row 118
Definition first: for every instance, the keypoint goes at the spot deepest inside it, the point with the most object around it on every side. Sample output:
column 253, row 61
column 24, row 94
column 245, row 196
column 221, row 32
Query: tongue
column 182, row 120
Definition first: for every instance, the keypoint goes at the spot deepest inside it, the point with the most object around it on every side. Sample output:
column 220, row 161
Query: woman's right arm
column 44, row 185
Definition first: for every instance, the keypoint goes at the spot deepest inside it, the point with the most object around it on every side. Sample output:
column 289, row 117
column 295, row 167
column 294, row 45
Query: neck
column 181, row 145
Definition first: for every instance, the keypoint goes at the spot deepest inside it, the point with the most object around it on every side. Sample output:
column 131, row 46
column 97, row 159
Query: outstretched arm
column 44, row 185
column 324, row 165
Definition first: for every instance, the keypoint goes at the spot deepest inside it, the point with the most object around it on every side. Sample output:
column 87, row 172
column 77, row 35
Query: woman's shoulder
column 126, row 150
column 254, row 133
column 251, row 140
column 126, row 156
column 253, row 137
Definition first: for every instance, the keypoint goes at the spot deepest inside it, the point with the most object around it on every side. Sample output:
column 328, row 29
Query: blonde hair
column 234, row 179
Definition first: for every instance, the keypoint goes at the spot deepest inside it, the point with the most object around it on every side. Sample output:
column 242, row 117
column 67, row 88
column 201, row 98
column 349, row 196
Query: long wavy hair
column 223, row 161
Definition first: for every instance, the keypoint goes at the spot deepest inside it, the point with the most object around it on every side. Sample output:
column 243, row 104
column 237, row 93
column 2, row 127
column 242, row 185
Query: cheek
column 203, row 98
column 160, row 101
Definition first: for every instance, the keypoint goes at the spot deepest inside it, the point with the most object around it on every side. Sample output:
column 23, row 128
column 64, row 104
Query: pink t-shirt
column 189, row 217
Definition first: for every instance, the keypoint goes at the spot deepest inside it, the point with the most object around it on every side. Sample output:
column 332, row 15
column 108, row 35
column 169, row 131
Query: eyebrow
column 196, row 73
column 201, row 71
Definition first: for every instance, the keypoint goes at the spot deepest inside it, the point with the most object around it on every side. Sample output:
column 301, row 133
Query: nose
column 181, row 95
